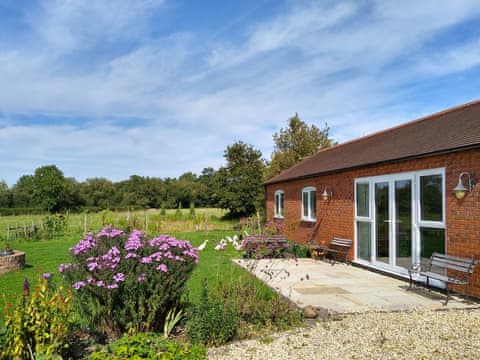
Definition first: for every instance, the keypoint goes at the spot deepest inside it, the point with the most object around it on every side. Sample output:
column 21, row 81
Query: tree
column 294, row 143
column 239, row 184
column 98, row 192
column 50, row 189
column 22, row 192
column 5, row 195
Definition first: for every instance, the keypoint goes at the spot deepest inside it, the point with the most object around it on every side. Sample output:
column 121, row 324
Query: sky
column 161, row 87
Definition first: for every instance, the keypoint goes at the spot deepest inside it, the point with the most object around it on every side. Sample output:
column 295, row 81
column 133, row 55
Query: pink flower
column 78, row 285
column 120, row 277
column 162, row 267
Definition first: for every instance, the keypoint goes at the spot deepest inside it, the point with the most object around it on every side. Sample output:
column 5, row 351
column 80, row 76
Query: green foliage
column 294, row 143
column 127, row 282
column 149, row 346
column 239, row 184
column 256, row 307
column 5, row 195
column 172, row 319
column 212, row 321
column 54, row 225
column 233, row 309
column 40, row 324
column 49, row 188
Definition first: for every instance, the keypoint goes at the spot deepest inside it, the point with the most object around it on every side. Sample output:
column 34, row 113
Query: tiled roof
column 450, row 130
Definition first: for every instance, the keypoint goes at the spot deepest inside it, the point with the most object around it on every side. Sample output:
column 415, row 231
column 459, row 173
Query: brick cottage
column 392, row 193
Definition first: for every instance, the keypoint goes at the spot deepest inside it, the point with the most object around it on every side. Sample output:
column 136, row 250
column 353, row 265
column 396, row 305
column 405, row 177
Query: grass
column 46, row 255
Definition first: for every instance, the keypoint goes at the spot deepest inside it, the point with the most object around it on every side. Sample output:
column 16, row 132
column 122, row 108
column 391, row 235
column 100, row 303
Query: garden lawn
column 45, row 256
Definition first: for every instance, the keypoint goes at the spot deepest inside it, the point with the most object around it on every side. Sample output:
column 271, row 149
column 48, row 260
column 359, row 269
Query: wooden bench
column 338, row 248
column 456, row 270
column 254, row 243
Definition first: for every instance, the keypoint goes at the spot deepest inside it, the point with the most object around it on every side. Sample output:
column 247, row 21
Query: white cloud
column 341, row 62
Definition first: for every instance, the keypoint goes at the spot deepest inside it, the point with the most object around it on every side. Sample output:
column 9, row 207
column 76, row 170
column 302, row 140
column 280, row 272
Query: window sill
column 277, row 216
column 309, row 220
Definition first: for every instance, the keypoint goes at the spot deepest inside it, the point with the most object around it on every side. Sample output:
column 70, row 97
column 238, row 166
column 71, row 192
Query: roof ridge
column 402, row 125
column 408, row 126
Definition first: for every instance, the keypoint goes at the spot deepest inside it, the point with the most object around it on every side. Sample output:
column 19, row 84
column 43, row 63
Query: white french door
column 393, row 223
column 393, row 219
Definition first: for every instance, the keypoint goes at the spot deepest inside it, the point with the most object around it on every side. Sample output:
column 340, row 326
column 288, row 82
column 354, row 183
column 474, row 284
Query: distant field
column 151, row 220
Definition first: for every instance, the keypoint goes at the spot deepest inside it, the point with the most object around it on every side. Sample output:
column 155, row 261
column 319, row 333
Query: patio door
column 393, row 223
column 399, row 219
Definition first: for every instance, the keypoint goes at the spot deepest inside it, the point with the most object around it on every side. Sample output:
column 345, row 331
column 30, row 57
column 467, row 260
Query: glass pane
column 362, row 200
column 432, row 240
column 305, row 204
column 431, row 198
column 403, row 211
column 382, row 217
column 313, row 204
column 364, row 237
column 280, row 210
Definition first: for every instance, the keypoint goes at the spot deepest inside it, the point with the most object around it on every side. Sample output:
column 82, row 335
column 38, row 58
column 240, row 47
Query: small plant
column 40, row 324
column 127, row 282
column 54, row 225
column 149, row 346
column 235, row 310
column 6, row 246
column 172, row 319
column 213, row 321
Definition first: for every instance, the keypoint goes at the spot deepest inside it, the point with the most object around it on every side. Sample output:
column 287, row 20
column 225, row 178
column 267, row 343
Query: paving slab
column 345, row 288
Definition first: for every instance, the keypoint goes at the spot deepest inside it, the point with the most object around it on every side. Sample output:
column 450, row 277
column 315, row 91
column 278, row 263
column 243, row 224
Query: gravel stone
column 420, row 334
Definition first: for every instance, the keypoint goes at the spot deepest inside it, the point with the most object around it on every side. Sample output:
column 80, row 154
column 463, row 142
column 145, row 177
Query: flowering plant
column 127, row 282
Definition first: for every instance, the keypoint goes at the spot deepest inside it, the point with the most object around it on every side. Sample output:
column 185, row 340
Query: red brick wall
column 336, row 217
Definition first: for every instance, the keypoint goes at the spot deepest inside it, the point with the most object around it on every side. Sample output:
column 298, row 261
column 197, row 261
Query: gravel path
column 450, row 334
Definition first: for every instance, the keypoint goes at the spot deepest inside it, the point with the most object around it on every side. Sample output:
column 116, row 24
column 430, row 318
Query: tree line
column 237, row 186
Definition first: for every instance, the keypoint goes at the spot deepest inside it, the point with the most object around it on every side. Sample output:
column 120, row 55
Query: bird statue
column 237, row 246
column 203, row 245
column 235, row 238
column 229, row 239
column 221, row 245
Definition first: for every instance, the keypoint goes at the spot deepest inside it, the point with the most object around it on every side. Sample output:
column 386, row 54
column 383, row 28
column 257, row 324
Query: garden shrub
column 257, row 306
column 54, row 225
column 212, row 321
column 235, row 309
column 149, row 346
column 127, row 282
column 41, row 324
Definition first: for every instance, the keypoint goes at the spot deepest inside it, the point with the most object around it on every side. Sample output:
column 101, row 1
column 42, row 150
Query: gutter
column 385, row 162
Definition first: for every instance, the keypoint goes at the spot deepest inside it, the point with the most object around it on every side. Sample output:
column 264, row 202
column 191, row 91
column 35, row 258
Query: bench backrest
column 452, row 262
column 346, row 243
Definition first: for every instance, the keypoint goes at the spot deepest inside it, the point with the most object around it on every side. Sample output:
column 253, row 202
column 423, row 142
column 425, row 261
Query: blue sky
column 162, row 87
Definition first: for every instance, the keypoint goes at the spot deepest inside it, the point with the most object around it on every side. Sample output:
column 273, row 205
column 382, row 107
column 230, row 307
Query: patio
column 345, row 289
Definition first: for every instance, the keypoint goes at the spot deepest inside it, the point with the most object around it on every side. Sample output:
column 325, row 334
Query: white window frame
column 306, row 192
column 279, row 194
column 429, row 223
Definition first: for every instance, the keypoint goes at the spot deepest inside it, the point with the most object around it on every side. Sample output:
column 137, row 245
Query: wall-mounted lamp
column 327, row 194
column 460, row 190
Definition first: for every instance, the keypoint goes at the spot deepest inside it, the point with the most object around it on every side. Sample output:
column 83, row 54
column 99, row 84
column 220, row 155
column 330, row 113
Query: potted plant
column 6, row 249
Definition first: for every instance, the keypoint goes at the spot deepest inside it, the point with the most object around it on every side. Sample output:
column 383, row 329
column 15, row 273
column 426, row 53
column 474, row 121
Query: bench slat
column 444, row 278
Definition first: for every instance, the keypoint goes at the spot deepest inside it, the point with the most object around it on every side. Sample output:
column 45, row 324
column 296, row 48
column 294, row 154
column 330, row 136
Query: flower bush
column 127, row 282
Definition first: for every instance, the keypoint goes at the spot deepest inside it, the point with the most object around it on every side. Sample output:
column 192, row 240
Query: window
column 309, row 204
column 279, row 203
column 431, row 197
column 363, row 200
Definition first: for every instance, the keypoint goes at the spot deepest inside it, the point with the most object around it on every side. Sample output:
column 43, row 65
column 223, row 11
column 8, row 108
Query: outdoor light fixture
column 460, row 190
column 327, row 195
